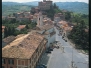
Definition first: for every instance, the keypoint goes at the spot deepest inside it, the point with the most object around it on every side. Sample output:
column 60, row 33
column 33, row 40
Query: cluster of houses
column 21, row 16
column 25, row 50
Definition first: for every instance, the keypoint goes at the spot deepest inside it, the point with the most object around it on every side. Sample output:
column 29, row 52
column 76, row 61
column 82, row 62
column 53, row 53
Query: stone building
column 24, row 52
column 45, row 5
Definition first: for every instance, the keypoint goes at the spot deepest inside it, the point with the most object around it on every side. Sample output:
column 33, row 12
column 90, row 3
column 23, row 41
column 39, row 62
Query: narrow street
column 62, row 59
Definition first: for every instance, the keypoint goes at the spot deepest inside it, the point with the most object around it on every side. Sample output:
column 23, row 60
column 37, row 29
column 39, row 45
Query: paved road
column 58, row 59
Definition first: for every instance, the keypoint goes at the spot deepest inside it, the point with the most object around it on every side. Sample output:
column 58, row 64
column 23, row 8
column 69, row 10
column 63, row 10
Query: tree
column 67, row 15
column 79, row 36
column 54, row 6
column 5, row 32
column 27, row 26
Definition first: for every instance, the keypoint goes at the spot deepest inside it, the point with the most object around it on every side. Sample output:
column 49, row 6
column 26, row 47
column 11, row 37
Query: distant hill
column 11, row 3
column 10, row 9
column 78, row 7
column 34, row 3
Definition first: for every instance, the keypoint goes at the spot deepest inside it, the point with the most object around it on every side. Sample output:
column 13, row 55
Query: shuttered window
column 3, row 61
column 11, row 61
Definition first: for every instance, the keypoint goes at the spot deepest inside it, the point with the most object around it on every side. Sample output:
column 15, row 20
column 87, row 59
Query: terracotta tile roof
column 21, row 26
column 23, row 47
column 63, row 23
column 46, row 27
column 9, row 39
column 3, row 27
column 68, row 28
column 20, row 35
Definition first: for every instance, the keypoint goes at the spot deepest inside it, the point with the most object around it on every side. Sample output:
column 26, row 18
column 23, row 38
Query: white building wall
column 50, row 39
column 50, row 30
column 56, row 19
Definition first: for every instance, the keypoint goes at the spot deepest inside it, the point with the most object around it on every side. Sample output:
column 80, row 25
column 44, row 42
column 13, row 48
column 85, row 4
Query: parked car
column 45, row 66
column 62, row 37
column 57, row 47
column 65, row 40
column 48, row 51
column 38, row 66
column 41, row 66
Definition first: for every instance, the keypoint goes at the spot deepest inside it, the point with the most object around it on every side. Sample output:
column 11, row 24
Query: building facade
column 24, row 52
column 45, row 5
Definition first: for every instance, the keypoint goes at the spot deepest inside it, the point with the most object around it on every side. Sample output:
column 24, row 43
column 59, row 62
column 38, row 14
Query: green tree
column 27, row 26
column 67, row 15
column 5, row 32
column 54, row 6
column 79, row 36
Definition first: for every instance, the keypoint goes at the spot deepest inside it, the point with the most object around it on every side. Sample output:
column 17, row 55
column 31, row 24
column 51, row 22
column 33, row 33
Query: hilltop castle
column 45, row 5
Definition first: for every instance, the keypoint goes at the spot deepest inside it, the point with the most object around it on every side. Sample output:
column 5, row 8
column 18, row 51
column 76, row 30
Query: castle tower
column 40, row 19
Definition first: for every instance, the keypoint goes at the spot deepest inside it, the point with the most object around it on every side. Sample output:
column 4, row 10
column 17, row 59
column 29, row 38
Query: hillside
column 6, row 10
column 34, row 3
column 78, row 7
column 10, row 7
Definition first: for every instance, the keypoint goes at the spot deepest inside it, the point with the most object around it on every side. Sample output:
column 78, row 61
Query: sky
column 20, row 1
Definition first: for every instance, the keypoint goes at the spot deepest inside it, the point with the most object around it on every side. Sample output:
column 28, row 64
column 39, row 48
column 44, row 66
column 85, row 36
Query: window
column 36, row 50
column 3, row 61
column 11, row 61
column 22, row 62
column 30, row 60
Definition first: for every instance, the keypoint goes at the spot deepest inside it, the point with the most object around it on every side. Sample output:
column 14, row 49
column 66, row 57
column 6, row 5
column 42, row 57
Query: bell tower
column 40, row 19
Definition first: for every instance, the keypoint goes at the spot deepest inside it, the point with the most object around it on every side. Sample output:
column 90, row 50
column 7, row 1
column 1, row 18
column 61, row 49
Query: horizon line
column 39, row 1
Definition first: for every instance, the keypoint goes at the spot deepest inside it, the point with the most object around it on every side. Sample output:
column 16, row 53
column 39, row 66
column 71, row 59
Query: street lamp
column 72, row 62
column 72, row 59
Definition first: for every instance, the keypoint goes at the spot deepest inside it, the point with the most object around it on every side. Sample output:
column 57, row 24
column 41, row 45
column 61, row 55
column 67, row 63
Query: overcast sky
column 20, row 1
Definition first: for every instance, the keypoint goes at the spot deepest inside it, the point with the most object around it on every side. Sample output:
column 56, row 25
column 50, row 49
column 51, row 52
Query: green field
column 6, row 10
